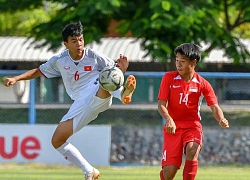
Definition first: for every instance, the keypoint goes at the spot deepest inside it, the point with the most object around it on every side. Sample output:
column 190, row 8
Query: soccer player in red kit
column 179, row 101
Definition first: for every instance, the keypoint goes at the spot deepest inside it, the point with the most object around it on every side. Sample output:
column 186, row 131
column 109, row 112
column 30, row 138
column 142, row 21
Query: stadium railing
column 228, row 85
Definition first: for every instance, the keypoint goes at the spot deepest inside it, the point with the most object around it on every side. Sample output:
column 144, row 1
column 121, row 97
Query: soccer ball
column 111, row 78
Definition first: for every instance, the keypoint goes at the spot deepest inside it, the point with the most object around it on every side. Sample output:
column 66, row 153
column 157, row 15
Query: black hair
column 72, row 29
column 189, row 50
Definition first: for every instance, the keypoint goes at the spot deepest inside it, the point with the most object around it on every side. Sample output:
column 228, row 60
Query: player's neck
column 76, row 56
column 188, row 77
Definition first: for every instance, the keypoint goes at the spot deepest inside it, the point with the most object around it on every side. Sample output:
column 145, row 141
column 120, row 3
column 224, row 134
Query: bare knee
column 54, row 142
column 192, row 151
column 63, row 131
column 169, row 172
column 57, row 141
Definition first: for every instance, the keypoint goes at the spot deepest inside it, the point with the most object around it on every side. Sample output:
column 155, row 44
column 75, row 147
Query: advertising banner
column 32, row 144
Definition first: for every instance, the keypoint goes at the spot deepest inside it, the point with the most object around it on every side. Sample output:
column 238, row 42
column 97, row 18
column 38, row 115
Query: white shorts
column 86, row 109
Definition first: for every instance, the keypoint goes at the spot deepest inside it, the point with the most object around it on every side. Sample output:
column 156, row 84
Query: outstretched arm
column 219, row 116
column 31, row 74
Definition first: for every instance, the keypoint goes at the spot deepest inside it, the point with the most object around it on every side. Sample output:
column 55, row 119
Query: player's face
column 184, row 66
column 75, row 45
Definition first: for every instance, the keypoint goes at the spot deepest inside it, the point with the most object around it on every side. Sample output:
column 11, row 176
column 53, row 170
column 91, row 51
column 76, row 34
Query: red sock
column 161, row 175
column 190, row 170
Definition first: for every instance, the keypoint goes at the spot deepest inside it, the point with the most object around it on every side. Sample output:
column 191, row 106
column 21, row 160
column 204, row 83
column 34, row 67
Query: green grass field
column 47, row 172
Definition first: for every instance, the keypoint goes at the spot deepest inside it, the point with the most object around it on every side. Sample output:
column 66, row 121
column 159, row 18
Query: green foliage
column 94, row 15
column 15, row 5
column 162, row 24
column 170, row 23
column 20, row 23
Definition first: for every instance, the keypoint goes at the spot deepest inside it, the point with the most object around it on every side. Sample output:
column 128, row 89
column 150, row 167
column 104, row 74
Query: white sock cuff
column 117, row 93
column 64, row 148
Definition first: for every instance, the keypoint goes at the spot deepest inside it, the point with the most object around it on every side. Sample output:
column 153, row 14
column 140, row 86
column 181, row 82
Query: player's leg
column 123, row 93
column 81, row 112
column 161, row 175
column 193, row 139
column 172, row 152
column 101, row 93
column 168, row 172
column 59, row 140
column 191, row 164
column 63, row 131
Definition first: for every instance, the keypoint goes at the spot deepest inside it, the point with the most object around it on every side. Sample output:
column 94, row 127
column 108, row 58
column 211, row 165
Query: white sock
column 74, row 156
column 117, row 93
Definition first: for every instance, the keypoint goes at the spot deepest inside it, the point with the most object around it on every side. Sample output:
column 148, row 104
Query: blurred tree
column 20, row 23
column 15, row 5
column 168, row 23
column 162, row 24
column 20, row 20
column 94, row 15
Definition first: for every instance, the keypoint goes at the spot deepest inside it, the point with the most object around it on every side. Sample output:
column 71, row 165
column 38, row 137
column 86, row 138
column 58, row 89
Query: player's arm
column 31, row 74
column 170, row 125
column 123, row 63
column 219, row 116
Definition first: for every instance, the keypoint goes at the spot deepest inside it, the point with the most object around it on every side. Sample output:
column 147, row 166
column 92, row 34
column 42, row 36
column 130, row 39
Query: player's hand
column 170, row 126
column 123, row 63
column 9, row 81
column 224, row 123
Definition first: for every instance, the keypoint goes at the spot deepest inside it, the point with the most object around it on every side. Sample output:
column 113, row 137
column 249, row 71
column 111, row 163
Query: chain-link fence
column 136, row 128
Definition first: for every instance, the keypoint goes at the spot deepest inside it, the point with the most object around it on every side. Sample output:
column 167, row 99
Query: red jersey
column 184, row 98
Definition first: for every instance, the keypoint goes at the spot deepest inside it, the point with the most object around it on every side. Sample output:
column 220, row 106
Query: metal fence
column 136, row 128
column 49, row 95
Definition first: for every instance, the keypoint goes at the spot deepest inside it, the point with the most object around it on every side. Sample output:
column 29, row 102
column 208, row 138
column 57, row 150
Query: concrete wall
column 142, row 145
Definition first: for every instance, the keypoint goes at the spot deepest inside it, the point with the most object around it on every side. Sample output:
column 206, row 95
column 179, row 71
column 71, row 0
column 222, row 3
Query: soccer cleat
column 93, row 175
column 128, row 89
column 161, row 175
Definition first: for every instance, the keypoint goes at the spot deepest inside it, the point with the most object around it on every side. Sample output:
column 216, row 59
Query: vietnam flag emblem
column 87, row 68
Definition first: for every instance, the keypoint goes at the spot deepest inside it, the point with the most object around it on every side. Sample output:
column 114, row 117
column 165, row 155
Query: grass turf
column 56, row 172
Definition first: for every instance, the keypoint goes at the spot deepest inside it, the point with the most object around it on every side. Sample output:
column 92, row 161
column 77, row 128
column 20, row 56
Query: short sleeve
column 50, row 69
column 209, row 94
column 164, row 88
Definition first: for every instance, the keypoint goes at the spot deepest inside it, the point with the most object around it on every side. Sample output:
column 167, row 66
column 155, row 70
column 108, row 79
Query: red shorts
column 174, row 144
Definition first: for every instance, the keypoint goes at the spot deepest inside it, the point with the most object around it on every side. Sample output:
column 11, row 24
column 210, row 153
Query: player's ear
column 194, row 62
column 65, row 44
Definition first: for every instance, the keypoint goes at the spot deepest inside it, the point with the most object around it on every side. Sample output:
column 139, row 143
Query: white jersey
column 79, row 76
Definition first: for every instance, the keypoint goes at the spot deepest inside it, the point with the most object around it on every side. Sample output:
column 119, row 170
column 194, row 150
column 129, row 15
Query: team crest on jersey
column 66, row 67
column 193, row 89
column 87, row 68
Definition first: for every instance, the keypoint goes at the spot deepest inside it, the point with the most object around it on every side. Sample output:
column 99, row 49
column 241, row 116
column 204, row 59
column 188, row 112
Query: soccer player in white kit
column 79, row 68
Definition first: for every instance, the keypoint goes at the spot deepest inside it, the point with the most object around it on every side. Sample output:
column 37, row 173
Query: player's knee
column 168, row 175
column 169, row 172
column 54, row 142
column 192, row 152
column 63, row 131
column 57, row 142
